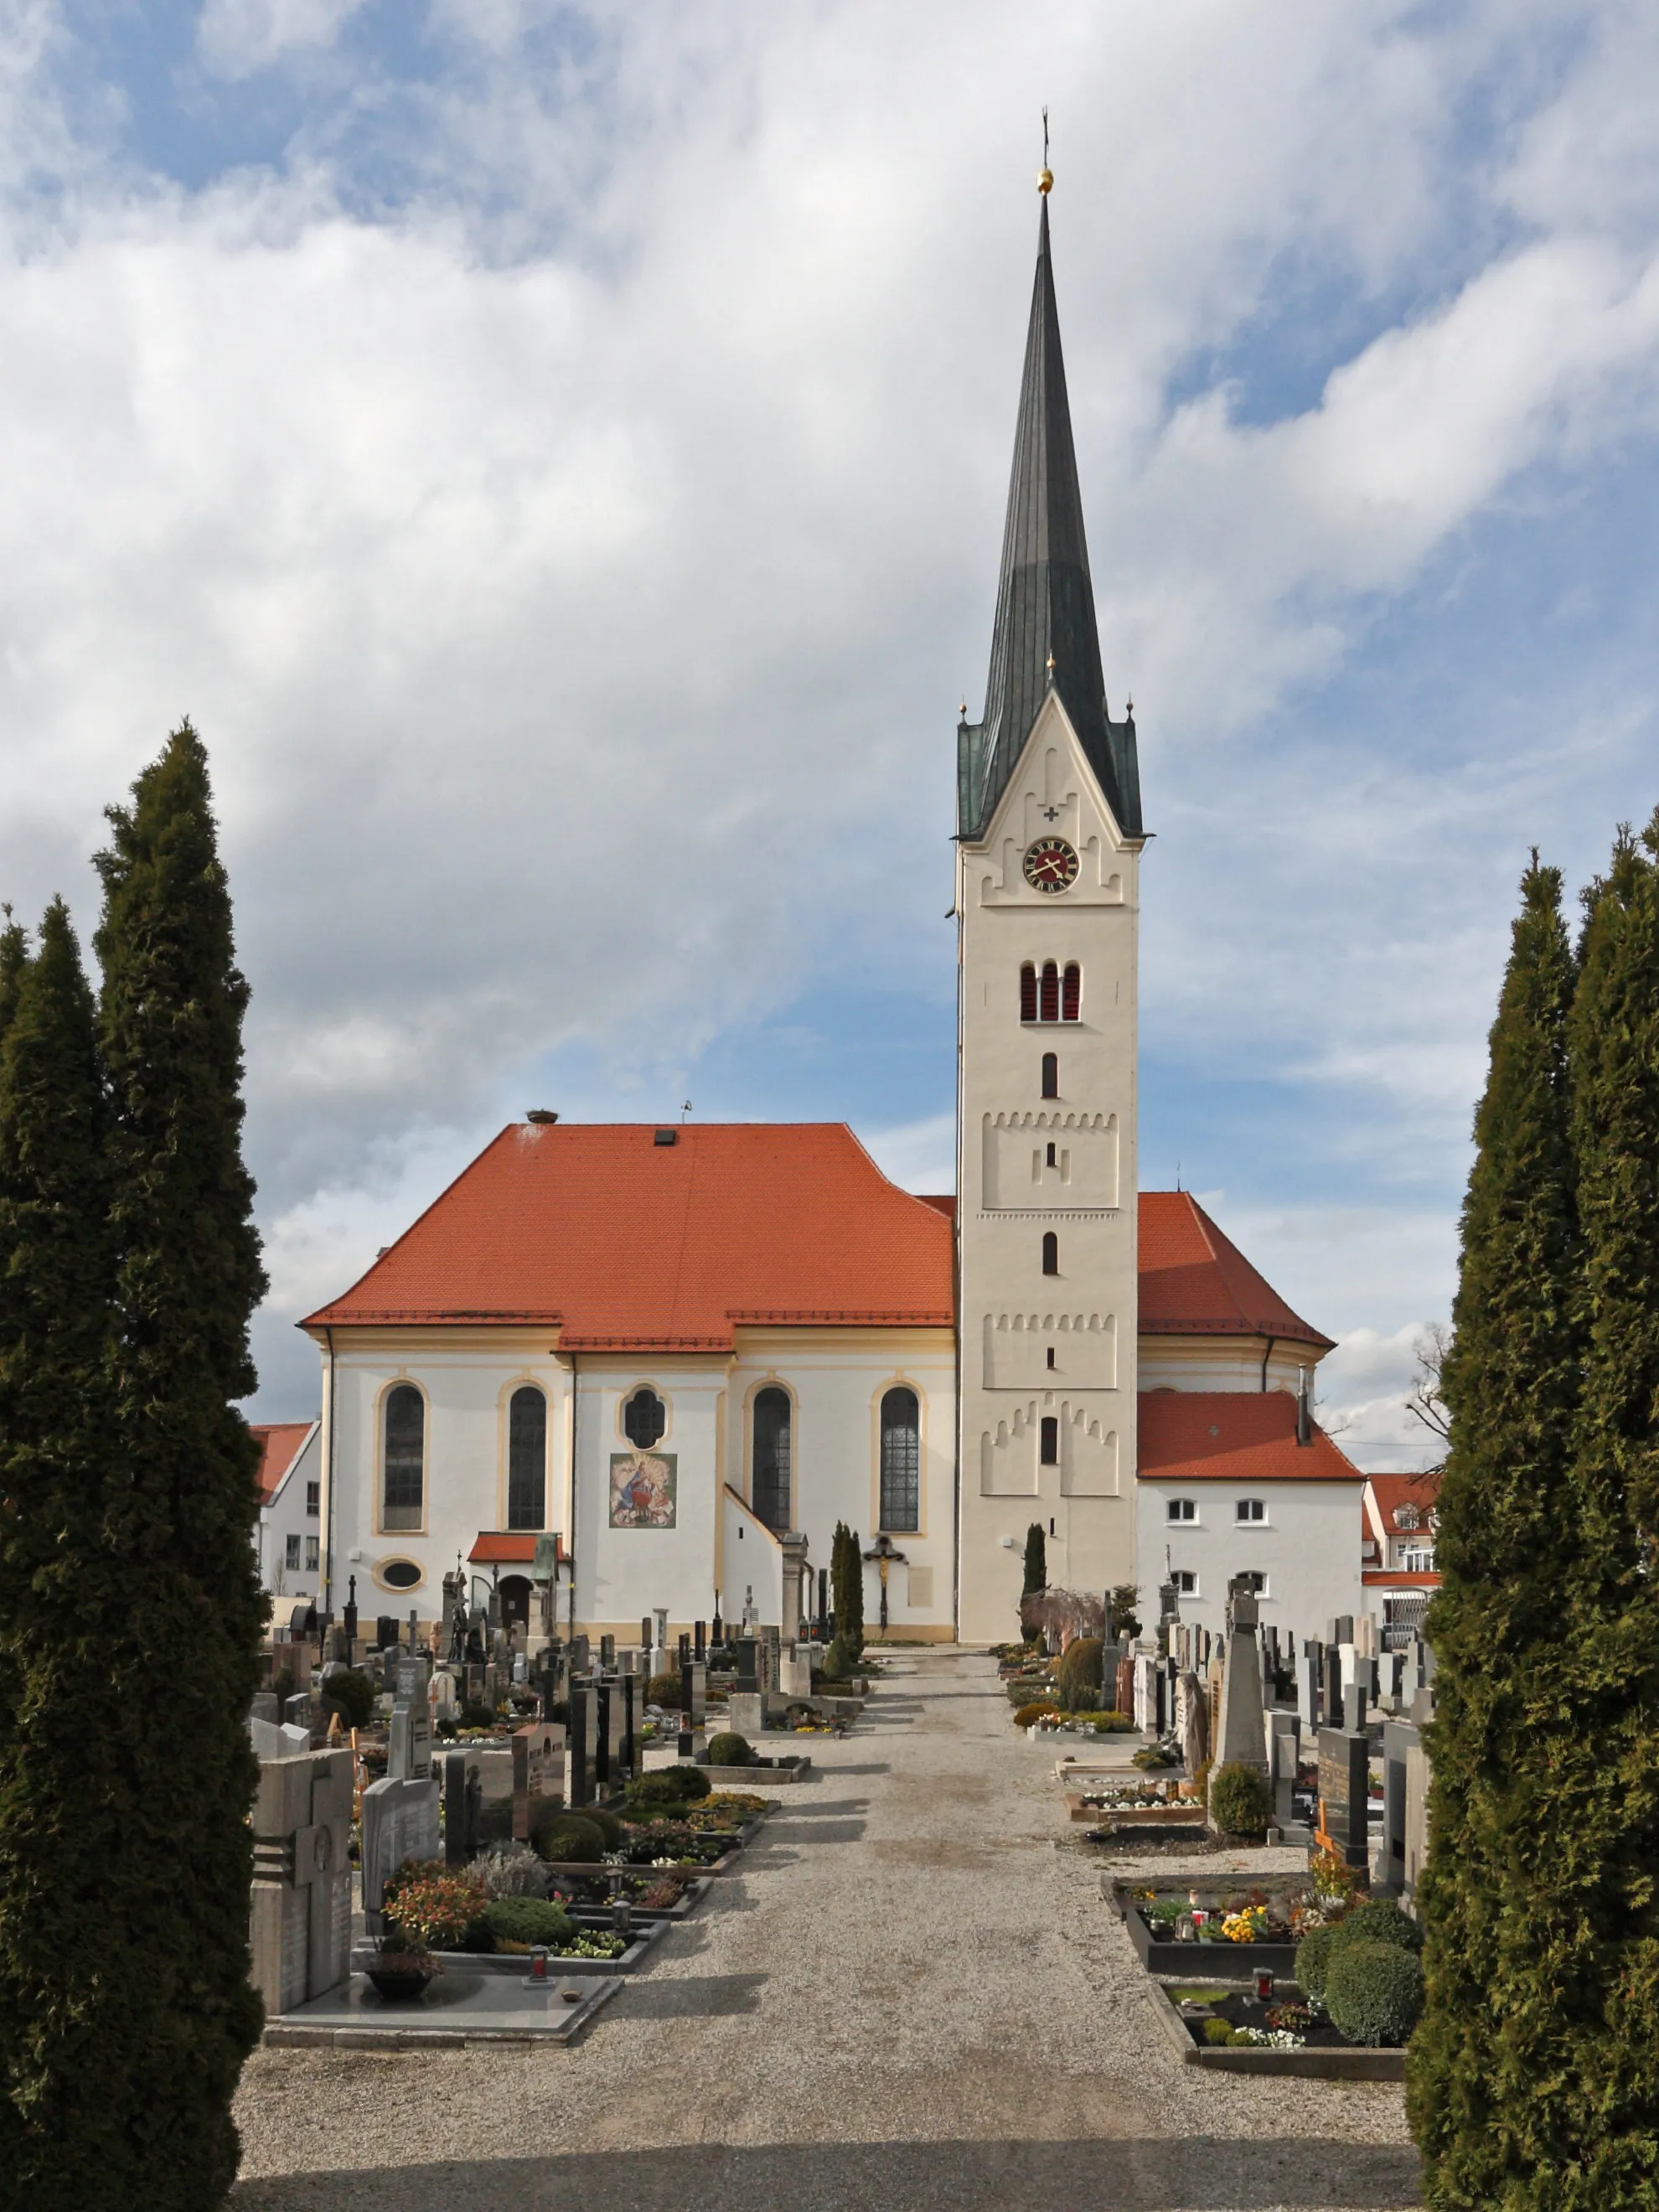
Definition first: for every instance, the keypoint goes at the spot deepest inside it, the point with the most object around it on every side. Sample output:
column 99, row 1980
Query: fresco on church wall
column 644, row 1489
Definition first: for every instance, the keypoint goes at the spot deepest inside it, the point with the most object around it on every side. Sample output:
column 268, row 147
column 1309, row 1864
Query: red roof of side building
column 496, row 1547
column 943, row 1202
column 1387, row 1493
column 1233, row 1436
column 625, row 1242
column 279, row 1445
column 1194, row 1282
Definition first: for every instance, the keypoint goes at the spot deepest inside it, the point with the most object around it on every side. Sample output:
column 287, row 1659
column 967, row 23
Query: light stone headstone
column 409, row 1744
column 301, row 1907
column 399, row 1822
column 538, row 1776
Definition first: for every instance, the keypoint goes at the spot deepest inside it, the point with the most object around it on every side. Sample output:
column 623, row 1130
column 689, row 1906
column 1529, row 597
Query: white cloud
column 920, row 1156
column 235, row 38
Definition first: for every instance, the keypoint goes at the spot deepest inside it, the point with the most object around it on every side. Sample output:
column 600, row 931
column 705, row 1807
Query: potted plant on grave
column 403, row 1966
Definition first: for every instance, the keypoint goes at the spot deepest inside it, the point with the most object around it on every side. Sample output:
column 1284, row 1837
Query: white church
column 683, row 1419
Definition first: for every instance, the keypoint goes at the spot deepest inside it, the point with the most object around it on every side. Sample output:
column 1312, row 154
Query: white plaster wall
column 1307, row 1547
column 1222, row 1363
column 1008, row 1194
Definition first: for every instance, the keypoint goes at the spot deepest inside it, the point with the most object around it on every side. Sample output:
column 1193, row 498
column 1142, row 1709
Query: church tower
column 1048, row 841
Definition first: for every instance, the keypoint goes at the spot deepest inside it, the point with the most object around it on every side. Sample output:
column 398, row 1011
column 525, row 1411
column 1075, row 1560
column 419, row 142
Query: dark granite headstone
column 608, row 1653
column 699, row 1645
column 583, row 1738
column 461, row 1773
column 749, row 1667
column 1344, row 1788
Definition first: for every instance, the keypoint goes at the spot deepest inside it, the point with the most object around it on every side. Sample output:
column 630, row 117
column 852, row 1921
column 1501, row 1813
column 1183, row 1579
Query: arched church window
column 403, row 1493
column 1050, row 1000
column 526, row 1459
column 644, row 1418
column 1050, row 1253
column 1028, row 992
column 1049, row 1451
column 901, row 1460
column 1051, row 1075
column 1070, row 993
column 769, row 1463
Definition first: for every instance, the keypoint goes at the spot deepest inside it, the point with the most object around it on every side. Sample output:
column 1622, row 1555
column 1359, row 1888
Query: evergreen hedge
column 1532, row 2080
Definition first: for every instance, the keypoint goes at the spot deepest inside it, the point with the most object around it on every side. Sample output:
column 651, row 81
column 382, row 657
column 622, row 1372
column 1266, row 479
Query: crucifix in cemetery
column 885, row 1554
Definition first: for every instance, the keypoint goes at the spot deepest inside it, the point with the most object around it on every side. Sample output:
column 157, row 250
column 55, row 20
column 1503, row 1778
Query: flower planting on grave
column 440, row 1908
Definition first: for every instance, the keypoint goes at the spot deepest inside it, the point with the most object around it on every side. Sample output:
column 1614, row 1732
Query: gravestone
column 386, row 1632
column 461, row 1775
column 538, row 1776
column 699, row 1643
column 300, row 1908
column 264, row 1707
column 749, row 1682
column 408, row 1743
column 744, row 1713
column 1286, row 1745
column 410, row 1675
column 1417, row 1771
column 1400, row 1739
column 299, row 1712
column 444, row 1700
column 607, row 1737
column 1332, row 1705
column 608, row 1653
column 645, row 1632
column 399, row 1822
column 1343, row 1792
column 579, row 1661
column 693, row 1706
column 629, row 1691
column 584, row 1742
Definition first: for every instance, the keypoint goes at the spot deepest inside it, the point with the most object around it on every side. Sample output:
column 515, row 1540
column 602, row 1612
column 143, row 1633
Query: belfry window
column 769, row 1490
column 1051, row 1075
column 901, row 1460
column 403, row 1495
column 1050, row 993
column 1050, row 1253
column 644, row 1418
column 1049, row 1451
column 526, row 1459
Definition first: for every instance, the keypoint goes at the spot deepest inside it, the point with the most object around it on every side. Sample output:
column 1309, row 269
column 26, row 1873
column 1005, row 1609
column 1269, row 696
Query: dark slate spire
column 1045, row 622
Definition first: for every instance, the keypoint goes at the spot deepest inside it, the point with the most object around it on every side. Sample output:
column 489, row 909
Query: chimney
column 1303, row 1409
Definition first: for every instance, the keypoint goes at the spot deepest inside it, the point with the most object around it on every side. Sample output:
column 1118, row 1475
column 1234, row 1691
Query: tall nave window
column 901, row 1460
column 769, row 1487
column 403, row 1494
column 526, row 1459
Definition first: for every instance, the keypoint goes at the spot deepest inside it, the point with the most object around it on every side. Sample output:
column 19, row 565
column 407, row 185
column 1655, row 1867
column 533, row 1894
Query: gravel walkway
column 913, row 1996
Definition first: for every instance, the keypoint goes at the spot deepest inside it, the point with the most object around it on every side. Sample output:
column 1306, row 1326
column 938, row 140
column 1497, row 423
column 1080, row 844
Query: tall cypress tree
column 1037, row 1559
column 67, row 1810
column 188, row 1278
column 1506, row 1550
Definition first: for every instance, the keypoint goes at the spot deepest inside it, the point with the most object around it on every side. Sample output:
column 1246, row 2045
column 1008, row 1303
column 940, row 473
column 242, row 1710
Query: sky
column 556, row 456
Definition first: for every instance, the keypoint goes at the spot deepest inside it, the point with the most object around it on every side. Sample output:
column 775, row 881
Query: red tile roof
column 1233, row 1436
column 495, row 1547
column 1397, row 1578
column 1194, row 1282
column 1389, row 1490
column 280, row 1444
column 943, row 1202
column 624, row 1241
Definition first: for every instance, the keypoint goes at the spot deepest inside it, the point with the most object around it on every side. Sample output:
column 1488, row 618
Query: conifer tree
column 1037, row 1559
column 69, row 1812
column 1532, row 2075
column 847, row 1585
column 179, row 1517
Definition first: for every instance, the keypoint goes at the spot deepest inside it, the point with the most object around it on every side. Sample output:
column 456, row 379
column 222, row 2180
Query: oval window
column 398, row 1574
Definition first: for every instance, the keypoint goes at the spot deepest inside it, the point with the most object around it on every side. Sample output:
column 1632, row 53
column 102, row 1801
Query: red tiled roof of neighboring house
column 1233, row 1436
column 495, row 1547
column 624, row 1241
column 1385, row 1493
column 1194, row 1282
column 943, row 1202
column 279, row 1445
column 1398, row 1578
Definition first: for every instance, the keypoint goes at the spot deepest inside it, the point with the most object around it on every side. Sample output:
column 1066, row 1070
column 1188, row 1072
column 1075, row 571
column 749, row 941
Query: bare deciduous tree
column 1424, row 1403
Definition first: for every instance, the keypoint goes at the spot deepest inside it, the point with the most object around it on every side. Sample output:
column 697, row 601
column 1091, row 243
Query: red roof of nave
column 279, row 1446
column 622, row 1243
column 1233, row 1436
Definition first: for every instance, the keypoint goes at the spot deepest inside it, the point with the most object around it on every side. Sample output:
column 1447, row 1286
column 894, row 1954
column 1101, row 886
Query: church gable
column 1053, row 794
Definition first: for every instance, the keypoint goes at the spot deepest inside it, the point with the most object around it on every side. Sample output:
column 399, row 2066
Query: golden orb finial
column 1045, row 175
column 1045, row 180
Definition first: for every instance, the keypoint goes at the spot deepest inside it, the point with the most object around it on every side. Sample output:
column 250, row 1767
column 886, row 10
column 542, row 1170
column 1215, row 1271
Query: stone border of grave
column 1184, row 1961
column 598, row 1916
column 1327, row 2065
column 1182, row 1812
column 463, row 1963
column 402, row 2029
column 786, row 1767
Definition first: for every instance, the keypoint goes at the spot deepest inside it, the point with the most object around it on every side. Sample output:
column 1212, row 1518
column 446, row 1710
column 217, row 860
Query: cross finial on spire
column 1051, row 664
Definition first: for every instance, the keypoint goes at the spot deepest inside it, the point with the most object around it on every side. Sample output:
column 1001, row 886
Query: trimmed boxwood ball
column 528, row 1920
column 1379, row 1920
column 1241, row 1801
column 354, row 1694
column 729, row 1749
column 571, row 1837
column 1080, row 1671
column 1313, row 1958
column 611, row 1828
column 653, row 1789
column 690, row 1781
column 665, row 1690
column 1373, row 1993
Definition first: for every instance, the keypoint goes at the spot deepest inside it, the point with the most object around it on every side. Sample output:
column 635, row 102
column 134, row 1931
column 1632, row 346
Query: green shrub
column 1216, row 2031
column 652, row 1789
column 729, row 1749
column 1313, row 1958
column 571, row 1837
column 1241, row 1800
column 1080, row 1671
column 1373, row 1993
column 1087, row 1697
column 1029, row 1716
column 610, row 1825
column 839, row 1660
column 473, row 1715
column 528, row 1920
column 1379, row 1920
column 354, row 1694
column 441, row 1907
column 663, row 1690
column 690, row 1781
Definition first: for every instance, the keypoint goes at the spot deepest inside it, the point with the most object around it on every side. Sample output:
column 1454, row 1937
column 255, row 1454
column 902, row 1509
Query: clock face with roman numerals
column 1051, row 865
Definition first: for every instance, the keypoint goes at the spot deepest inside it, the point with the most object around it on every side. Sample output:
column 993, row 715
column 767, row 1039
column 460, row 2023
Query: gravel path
column 912, row 1996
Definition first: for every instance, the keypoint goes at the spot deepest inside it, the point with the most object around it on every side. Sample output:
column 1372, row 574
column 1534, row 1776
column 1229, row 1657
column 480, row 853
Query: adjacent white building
column 288, row 1530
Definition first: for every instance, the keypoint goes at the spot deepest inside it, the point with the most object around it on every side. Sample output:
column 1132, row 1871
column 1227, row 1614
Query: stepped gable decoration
column 623, row 1243
column 1194, row 1282
column 1044, row 633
